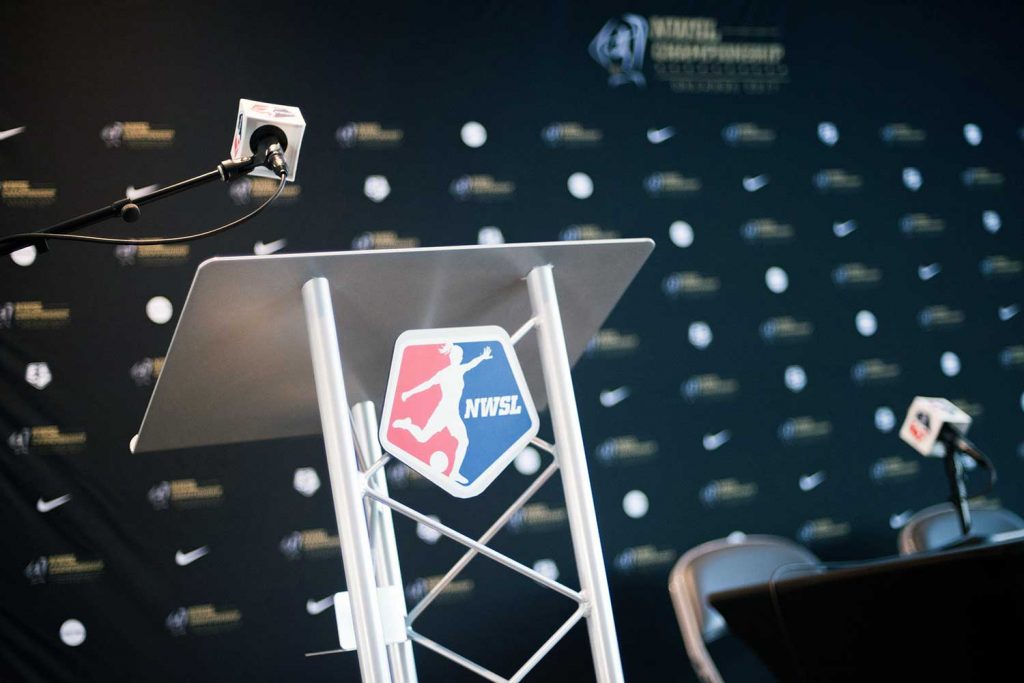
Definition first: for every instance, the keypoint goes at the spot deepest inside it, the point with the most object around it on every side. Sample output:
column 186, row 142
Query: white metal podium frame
column 238, row 369
column 381, row 663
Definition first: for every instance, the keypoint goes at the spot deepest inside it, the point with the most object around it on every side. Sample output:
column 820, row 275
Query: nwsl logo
column 457, row 409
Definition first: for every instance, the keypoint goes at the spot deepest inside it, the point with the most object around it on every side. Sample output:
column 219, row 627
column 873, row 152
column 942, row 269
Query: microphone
column 933, row 420
column 272, row 134
column 935, row 427
column 266, row 143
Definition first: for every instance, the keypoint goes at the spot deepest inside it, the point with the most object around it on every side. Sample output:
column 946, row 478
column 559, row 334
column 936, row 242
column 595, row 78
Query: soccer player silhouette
column 447, row 415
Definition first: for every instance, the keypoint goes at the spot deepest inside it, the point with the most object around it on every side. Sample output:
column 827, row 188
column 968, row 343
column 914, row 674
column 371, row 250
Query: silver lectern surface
column 239, row 367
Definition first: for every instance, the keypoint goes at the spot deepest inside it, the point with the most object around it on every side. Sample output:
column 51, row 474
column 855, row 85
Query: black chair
column 937, row 526
column 733, row 562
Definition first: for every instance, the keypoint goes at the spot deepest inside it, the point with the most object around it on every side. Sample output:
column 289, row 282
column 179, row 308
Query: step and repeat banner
column 834, row 192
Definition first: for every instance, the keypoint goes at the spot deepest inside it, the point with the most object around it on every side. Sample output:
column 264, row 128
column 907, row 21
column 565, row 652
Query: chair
column 733, row 562
column 936, row 526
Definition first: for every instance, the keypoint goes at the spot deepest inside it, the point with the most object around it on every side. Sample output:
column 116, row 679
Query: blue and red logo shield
column 457, row 409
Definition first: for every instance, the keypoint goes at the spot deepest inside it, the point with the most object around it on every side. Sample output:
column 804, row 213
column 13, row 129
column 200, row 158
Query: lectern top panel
column 239, row 368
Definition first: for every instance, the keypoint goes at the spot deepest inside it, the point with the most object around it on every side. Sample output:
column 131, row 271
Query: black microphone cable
column 34, row 236
column 806, row 569
column 270, row 150
column 958, row 442
column 773, row 594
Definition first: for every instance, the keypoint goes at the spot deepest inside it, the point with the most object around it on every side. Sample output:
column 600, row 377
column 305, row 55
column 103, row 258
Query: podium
column 300, row 344
column 934, row 616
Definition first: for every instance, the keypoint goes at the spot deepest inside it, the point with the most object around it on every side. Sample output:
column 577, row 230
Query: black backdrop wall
column 835, row 191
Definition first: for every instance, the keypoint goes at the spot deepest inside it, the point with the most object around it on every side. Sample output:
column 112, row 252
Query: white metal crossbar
column 484, row 672
column 486, row 538
column 363, row 506
column 370, row 470
column 484, row 550
column 479, row 547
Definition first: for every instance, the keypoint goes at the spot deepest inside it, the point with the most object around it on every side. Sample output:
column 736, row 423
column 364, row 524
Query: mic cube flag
column 457, row 408
column 254, row 115
column 925, row 420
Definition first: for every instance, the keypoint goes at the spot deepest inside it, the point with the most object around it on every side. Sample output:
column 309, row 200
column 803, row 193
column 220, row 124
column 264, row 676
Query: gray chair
column 733, row 562
column 939, row 525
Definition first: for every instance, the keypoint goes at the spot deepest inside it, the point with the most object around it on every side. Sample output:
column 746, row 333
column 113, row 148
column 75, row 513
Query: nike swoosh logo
column 133, row 193
column 264, row 249
column 928, row 272
column 844, row 228
column 753, row 183
column 45, row 506
column 809, row 482
column 656, row 136
column 315, row 607
column 1007, row 312
column 181, row 559
column 613, row 397
column 712, row 442
column 898, row 520
column 11, row 132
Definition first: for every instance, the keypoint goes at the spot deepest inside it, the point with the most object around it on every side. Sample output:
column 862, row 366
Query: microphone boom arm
column 127, row 209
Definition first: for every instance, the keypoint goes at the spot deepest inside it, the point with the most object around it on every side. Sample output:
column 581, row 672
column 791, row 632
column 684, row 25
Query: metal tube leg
column 385, row 550
column 572, row 460
column 346, row 485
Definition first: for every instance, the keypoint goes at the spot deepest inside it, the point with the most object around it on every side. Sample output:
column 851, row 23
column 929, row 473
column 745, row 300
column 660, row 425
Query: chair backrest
column 733, row 562
column 939, row 525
